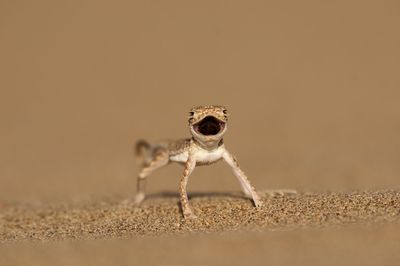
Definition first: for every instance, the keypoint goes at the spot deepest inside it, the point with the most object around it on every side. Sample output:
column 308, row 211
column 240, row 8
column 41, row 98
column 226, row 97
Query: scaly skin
column 208, row 125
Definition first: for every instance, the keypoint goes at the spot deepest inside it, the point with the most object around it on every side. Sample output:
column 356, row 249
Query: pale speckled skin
column 202, row 149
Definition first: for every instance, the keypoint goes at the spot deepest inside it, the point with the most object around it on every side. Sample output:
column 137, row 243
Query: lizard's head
column 208, row 124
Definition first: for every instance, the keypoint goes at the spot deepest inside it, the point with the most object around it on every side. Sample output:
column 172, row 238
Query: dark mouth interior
column 209, row 126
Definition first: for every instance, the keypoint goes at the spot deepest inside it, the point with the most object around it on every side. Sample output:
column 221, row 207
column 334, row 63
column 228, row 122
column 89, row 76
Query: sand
column 161, row 215
column 350, row 245
column 319, row 228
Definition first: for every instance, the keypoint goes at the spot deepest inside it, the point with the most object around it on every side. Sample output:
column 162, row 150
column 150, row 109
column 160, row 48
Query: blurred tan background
column 312, row 88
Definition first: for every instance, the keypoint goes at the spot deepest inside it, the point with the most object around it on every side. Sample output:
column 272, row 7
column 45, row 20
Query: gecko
column 207, row 125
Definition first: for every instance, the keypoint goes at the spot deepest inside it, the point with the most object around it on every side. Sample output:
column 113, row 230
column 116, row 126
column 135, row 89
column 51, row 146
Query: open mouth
column 209, row 126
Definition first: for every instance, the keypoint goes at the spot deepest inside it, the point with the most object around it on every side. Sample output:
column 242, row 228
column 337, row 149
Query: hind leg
column 160, row 159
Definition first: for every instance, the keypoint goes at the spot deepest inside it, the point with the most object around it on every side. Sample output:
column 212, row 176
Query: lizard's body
column 207, row 125
column 178, row 151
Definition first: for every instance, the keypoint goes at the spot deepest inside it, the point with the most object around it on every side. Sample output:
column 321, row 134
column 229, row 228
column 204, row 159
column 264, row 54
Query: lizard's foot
column 139, row 197
column 189, row 215
column 257, row 201
column 280, row 192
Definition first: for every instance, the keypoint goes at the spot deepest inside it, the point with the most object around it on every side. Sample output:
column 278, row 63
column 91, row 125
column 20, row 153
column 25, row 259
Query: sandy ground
column 351, row 245
column 353, row 228
column 162, row 216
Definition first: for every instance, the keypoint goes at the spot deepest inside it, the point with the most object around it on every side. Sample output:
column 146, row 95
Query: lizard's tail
column 143, row 152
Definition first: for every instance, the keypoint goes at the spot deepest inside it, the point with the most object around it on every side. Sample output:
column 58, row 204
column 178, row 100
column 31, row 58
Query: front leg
column 248, row 189
column 189, row 167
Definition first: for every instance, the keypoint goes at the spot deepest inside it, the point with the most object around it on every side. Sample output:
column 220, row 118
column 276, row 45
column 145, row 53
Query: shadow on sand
column 173, row 194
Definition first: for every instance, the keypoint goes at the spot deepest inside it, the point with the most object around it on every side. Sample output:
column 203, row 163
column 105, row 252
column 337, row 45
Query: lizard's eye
column 225, row 111
column 191, row 113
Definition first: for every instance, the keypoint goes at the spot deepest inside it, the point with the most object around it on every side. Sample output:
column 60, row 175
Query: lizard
column 207, row 125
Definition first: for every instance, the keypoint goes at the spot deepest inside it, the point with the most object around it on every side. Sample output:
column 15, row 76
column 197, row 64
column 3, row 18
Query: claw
column 258, row 202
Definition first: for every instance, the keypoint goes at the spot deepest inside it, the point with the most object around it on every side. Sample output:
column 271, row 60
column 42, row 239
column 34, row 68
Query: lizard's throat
column 209, row 143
